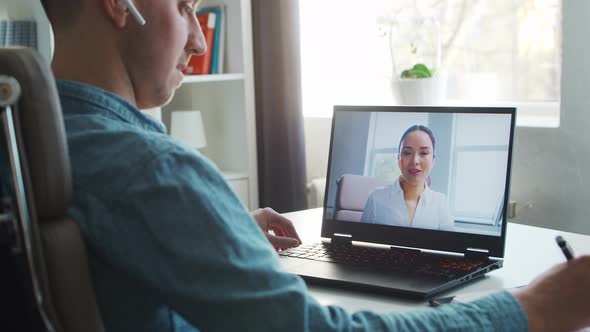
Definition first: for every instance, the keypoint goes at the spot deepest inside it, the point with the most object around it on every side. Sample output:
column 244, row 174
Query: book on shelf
column 219, row 37
column 201, row 64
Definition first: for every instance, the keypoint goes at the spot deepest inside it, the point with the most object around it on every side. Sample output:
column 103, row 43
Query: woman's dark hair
column 412, row 129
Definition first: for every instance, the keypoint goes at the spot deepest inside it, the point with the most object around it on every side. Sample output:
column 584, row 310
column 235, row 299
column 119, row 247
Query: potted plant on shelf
column 418, row 86
column 419, row 82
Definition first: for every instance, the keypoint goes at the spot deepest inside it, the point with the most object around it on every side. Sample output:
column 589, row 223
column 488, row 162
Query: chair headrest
column 353, row 191
column 40, row 130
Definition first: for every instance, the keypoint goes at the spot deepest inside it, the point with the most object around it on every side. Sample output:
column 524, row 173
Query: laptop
column 372, row 238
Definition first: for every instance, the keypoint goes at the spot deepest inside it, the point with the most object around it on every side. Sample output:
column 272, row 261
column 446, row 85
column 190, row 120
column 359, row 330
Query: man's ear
column 117, row 11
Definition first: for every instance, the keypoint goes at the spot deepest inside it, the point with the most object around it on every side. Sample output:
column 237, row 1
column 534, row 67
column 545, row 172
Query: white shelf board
column 234, row 175
column 212, row 78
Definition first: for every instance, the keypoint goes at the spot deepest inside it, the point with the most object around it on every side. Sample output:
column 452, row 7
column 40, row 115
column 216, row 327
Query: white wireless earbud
column 134, row 12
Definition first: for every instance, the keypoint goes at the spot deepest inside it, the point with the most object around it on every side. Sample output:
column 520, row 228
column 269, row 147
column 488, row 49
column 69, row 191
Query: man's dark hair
column 62, row 12
column 44, row 4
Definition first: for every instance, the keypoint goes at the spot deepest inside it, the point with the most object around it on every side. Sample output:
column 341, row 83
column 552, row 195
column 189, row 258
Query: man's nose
column 196, row 43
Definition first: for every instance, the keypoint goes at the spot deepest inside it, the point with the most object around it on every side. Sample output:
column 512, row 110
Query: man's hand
column 558, row 299
column 285, row 236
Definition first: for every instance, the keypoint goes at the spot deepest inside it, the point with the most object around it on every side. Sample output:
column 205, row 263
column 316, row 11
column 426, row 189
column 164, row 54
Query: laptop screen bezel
column 414, row 237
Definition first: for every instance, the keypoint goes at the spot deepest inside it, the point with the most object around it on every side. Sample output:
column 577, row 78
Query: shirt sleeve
column 369, row 210
column 186, row 235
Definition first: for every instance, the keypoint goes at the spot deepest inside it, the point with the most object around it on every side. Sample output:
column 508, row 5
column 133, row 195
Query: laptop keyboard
column 392, row 260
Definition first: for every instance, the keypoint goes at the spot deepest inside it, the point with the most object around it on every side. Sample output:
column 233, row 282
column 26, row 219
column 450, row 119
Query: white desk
column 529, row 252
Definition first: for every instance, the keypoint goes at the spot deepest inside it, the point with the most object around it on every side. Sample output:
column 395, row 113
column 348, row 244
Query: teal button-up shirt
column 172, row 248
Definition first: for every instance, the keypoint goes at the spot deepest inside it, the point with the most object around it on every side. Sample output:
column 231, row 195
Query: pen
column 440, row 301
column 565, row 247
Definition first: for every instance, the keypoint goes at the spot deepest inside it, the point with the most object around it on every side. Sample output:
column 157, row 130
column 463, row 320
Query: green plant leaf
column 418, row 71
column 405, row 74
column 422, row 68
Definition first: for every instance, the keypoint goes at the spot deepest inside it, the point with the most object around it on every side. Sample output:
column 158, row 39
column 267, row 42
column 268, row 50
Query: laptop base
column 379, row 282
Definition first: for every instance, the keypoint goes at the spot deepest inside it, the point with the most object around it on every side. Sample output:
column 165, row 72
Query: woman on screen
column 409, row 201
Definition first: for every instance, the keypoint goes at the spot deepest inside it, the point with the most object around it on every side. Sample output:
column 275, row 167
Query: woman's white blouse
column 386, row 206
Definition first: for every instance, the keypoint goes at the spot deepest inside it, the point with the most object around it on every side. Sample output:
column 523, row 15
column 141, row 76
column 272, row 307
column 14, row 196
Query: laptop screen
column 432, row 168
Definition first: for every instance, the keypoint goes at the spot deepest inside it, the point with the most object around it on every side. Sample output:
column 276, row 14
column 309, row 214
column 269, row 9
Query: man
column 171, row 247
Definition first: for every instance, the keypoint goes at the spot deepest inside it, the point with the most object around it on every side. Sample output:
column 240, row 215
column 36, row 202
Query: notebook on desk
column 414, row 216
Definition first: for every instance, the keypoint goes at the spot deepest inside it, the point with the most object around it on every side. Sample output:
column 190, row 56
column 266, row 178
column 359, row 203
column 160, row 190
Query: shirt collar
column 109, row 103
column 398, row 187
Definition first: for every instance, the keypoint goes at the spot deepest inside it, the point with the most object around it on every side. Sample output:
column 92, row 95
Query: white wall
column 551, row 167
column 317, row 146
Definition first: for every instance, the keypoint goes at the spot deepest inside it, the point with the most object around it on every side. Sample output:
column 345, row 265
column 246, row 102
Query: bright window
column 501, row 52
column 479, row 157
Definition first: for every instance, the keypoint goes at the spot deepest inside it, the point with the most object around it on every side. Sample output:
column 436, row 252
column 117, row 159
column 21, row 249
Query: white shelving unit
column 226, row 102
column 212, row 78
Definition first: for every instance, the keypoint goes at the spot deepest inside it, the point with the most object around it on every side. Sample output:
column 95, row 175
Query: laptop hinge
column 341, row 238
column 403, row 249
column 477, row 253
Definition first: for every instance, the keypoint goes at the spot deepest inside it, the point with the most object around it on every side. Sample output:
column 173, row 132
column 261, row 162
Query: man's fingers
column 281, row 223
column 282, row 241
column 279, row 232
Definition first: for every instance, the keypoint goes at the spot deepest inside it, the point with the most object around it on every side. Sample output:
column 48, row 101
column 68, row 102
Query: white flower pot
column 419, row 91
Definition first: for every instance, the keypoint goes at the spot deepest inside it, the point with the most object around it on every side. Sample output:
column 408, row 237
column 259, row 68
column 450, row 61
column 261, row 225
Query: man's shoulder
column 100, row 131
column 99, row 149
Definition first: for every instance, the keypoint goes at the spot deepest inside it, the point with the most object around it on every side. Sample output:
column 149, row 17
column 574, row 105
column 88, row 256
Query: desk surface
column 529, row 251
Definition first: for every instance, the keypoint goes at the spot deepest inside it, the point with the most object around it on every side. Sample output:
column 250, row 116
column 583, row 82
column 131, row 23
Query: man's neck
column 81, row 59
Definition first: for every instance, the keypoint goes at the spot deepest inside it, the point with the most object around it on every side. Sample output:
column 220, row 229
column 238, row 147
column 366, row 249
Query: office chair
column 42, row 247
column 352, row 193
